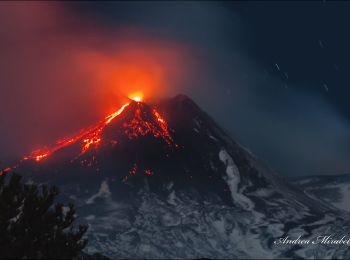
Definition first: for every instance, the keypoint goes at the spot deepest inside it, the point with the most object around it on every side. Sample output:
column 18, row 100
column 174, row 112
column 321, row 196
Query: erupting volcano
column 149, row 180
column 136, row 96
column 141, row 120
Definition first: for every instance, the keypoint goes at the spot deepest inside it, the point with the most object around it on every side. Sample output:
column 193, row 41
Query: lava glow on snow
column 91, row 137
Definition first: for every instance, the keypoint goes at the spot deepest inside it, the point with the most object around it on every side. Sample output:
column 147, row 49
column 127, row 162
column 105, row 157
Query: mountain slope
column 166, row 182
column 332, row 190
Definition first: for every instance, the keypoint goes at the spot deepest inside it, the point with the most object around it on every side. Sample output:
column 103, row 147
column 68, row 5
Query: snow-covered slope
column 332, row 190
column 203, row 197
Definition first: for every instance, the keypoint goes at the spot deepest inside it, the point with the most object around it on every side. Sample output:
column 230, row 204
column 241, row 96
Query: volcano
column 165, row 181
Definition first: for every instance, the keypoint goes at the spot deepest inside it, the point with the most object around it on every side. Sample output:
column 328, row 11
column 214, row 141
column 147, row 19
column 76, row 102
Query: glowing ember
column 41, row 156
column 5, row 170
column 133, row 170
column 148, row 172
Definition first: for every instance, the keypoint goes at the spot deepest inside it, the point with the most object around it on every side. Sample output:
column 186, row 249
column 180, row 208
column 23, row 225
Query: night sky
column 273, row 75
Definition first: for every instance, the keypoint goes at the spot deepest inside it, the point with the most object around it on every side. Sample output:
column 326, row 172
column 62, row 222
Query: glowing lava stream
column 92, row 136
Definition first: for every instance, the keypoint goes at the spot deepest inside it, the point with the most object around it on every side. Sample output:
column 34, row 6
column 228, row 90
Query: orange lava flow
column 141, row 126
column 163, row 125
column 91, row 137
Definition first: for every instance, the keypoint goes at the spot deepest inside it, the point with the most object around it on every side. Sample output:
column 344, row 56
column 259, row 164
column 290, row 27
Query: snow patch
column 65, row 209
column 344, row 202
column 172, row 198
column 233, row 179
column 90, row 217
column 104, row 192
column 197, row 122
column 212, row 137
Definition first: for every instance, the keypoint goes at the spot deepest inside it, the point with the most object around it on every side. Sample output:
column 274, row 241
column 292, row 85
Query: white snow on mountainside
column 205, row 196
column 332, row 190
column 233, row 179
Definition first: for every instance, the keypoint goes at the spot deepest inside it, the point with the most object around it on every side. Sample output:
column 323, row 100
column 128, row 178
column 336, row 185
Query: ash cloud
column 60, row 72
